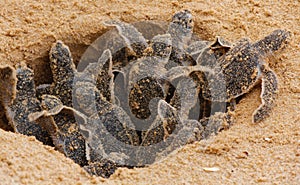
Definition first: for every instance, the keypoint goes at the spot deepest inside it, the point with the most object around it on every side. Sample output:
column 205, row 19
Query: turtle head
column 181, row 28
column 183, row 19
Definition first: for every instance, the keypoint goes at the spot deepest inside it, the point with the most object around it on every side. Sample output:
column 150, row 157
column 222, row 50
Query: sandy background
column 265, row 153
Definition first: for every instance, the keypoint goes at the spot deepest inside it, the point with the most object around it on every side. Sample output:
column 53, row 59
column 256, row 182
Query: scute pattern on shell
column 139, row 99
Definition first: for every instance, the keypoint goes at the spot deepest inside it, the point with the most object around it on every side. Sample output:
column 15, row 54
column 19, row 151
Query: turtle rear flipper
column 268, row 94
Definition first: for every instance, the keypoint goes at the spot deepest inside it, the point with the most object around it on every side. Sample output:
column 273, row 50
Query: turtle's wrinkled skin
column 140, row 94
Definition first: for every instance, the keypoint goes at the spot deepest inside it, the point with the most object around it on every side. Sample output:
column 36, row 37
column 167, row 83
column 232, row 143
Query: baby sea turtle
column 96, row 102
column 139, row 93
column 238, row 70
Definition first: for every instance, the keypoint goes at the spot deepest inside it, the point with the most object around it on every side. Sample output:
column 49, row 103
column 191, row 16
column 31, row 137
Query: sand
column 247, row 153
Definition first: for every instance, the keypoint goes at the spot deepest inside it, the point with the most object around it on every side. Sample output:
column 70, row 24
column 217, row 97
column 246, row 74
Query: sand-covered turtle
column 139, row 92
column 94, row 96
column 238, row 70
column 101, row 117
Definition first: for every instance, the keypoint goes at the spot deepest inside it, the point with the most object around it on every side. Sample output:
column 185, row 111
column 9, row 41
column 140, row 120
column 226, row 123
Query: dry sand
column 264, row 153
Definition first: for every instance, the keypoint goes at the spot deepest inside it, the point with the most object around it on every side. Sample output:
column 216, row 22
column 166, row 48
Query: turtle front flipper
column 268, row 94
column 94, row 86
column 24, row 104
column 64, row 128
column 91, row 71
column 181, row 71
column 185, row 97
column 273, row 42
column 63, row 71
column 196, row 48
column 154, row 138
column 105, row 77
column 133, row 38
column 167, row 133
